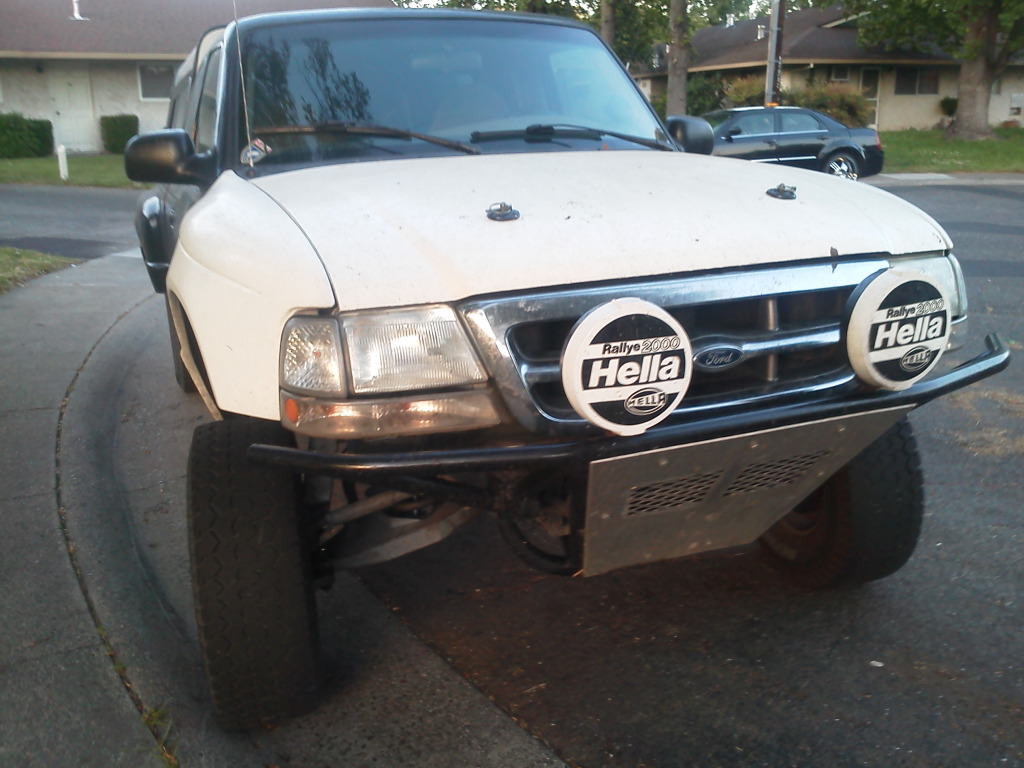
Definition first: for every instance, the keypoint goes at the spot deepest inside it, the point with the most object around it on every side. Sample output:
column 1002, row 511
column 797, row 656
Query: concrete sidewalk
column 62, row 702
column 886, row 180
column 98, row 652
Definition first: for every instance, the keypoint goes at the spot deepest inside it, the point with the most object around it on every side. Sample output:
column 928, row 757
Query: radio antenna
column 241, row 77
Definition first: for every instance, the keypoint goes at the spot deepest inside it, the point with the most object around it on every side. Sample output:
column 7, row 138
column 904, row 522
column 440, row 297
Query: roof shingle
column 121, row 29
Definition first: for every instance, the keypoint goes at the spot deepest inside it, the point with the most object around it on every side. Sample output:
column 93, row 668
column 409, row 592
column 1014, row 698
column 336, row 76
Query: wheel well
column 857, row 153
column 191, row 354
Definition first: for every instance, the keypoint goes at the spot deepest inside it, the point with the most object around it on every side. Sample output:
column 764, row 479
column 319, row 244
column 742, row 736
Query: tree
column 708, row 13
column 983, row 34
column 678, row 57
column 764, row 7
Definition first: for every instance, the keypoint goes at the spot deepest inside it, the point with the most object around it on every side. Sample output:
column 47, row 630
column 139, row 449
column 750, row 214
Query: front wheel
column 842, row 164
column 251, row 578
column 861, row 525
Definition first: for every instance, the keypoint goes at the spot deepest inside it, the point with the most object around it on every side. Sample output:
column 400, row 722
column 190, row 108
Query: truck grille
column 786, row 321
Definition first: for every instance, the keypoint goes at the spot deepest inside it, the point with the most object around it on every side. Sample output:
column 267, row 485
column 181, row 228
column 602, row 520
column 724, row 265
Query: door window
column 206, row 115
column 753, row 124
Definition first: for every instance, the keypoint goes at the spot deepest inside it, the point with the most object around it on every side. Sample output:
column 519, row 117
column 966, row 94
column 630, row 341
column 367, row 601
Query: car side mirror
column 167, row 157
column 692, row 134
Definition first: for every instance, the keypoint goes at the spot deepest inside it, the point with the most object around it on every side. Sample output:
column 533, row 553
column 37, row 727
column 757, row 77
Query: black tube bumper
column 439, row 462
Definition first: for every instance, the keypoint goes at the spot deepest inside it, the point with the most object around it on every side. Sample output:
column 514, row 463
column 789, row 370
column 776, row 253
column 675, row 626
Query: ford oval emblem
column 718, row 358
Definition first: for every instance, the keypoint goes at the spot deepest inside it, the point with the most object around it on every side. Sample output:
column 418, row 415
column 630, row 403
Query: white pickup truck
column 422, row 264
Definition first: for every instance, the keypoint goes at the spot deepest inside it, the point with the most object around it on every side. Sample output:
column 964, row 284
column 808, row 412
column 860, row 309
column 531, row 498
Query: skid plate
column 720, row 493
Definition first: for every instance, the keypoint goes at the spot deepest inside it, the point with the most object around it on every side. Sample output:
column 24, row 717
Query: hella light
column 408, row 350
column 311, row 356
column 944, row 271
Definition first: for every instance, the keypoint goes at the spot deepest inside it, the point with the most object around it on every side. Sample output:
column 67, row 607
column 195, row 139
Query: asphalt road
column 79, row 223
column 705, row 662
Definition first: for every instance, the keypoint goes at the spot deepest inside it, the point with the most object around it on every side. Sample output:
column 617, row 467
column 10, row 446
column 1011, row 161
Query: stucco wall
column 900, row 112
column 904, row 112
column 23, row 89
column 108, row 88
column 1008, row 103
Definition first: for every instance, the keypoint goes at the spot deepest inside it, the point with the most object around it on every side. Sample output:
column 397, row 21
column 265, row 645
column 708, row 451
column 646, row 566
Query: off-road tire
column 861, row 525
column 251, row 579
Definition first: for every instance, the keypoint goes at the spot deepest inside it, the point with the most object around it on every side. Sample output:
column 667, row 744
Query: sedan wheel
column 842, row 164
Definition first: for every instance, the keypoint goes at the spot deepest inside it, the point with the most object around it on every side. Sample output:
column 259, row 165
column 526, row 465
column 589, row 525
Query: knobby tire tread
column 875, row 507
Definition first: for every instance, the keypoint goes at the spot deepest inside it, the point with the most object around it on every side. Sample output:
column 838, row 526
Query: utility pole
column 773, row 77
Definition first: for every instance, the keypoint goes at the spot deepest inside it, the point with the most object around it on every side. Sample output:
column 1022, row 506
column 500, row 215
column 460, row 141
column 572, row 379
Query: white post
column 62, row 162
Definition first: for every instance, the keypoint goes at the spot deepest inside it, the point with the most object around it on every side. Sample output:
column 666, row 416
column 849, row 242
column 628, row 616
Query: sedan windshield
column 376, row 88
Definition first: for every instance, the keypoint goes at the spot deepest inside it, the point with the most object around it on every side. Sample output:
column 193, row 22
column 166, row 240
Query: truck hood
column 417, row 231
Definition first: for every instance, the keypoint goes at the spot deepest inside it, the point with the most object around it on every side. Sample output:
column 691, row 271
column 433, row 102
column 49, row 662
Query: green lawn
column 18, row 265
column 83, row 171
column 932, row 152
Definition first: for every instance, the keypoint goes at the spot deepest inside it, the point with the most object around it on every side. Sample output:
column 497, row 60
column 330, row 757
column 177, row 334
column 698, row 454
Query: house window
column 155, row 81
column 911, row 81
column 839, row 73
column 928, row 82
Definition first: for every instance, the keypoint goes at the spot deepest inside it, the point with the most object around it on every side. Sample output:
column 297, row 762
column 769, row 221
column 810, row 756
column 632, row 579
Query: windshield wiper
column 364, row 129
column 549, row 132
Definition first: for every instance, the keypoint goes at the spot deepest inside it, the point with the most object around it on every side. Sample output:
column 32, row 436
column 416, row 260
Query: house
column 904, row 87
column 74, row 61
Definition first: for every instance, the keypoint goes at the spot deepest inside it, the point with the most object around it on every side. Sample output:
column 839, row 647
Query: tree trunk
column 678, row 57
column 976, row 74
column 608, row 22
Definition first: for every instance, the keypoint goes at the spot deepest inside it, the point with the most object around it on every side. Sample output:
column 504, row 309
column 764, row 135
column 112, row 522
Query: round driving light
column 898, row 324
column 626, row 365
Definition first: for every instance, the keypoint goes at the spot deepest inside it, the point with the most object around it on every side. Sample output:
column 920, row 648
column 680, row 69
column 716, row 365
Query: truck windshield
column 363, row 89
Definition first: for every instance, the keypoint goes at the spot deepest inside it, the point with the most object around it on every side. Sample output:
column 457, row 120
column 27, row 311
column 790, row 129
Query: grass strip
column 19, row 265
column 933, row 152
column 83, row 171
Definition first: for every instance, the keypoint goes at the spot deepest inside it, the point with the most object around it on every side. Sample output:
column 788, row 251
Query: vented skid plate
column 711, row 495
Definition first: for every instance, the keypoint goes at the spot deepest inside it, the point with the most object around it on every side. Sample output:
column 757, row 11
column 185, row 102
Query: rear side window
column 798, row 122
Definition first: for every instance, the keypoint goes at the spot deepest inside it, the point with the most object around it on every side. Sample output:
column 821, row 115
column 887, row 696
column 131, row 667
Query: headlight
column 408, row 350
column 945, row 271
column 382, row 374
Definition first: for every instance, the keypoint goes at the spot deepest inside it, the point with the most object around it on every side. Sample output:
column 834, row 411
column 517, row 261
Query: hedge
column 24, row 137
column 837, row 100
column 115, row 130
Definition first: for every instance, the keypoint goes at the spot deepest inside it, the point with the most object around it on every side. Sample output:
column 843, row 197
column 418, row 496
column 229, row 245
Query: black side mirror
column 167, row 157
column 693, row 134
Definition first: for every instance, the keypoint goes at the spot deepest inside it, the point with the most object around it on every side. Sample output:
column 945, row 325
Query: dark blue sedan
column 796, row 136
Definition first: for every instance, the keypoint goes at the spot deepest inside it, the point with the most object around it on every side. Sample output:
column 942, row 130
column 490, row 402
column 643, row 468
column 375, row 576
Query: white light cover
column 311, row 356
column 408, row 350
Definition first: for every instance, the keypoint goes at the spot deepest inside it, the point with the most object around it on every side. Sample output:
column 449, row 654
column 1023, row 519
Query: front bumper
column 433, row 463
column 675, row 490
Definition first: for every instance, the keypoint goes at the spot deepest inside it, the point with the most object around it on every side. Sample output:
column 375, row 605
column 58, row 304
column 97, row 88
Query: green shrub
column 115, row 130
column 705, row 93
column 948, row 105
column 746, row 91
column 42, row 130
column 659, row 103
column 838, row 101
column 22, row 137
